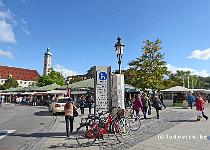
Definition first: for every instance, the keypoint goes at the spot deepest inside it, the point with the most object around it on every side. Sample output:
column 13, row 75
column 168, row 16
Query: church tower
column 47, row 62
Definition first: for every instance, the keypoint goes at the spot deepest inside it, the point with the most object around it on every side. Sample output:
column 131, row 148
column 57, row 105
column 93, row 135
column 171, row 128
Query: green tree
column 76, row 78
column 90, row 73
column 10, row 83
column 203, row 82
column 182, row 78
column 149, row 70
column 52, row 77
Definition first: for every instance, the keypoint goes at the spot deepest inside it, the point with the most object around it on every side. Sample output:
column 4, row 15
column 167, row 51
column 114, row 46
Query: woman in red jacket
column 200, row 107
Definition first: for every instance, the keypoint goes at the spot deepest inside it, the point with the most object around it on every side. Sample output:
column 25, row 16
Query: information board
column 102, row 88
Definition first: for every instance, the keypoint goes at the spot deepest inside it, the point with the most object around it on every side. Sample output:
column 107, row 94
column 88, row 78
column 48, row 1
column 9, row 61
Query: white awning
column 176, row 89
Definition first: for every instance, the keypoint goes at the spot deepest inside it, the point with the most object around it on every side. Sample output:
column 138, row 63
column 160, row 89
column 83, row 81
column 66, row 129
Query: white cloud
column 202, row 73
column 26, row 31
column 200, row 54
column 64, row 71
column 6, row 26
column 6, row 54
column 6, row 32
column 24, row 27
column 24, row 21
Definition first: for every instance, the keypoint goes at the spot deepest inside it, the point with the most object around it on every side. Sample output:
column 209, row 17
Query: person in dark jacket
column 82, row 105
column 146, row 103
column 156, row 103
column 89, row 103
column 190, row 99
column 160, row 96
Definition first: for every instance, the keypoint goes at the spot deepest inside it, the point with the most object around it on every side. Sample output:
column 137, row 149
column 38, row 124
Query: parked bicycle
column 133, row 120
column 95, row 128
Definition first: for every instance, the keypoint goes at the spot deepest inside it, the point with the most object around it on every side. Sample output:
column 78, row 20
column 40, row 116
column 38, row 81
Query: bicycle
column 88, row 132
column 133, row 121
column 101, row 119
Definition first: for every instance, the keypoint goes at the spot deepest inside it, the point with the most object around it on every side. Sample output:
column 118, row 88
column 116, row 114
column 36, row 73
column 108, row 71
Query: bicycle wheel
column 86, row 135
column 118, row 131
column 133, row 122
column 123, row 124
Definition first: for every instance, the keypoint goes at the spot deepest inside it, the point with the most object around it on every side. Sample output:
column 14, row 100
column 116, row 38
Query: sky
column 82, row 33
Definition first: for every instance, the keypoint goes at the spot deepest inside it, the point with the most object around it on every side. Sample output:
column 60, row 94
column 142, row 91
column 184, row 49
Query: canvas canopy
column 176, row 89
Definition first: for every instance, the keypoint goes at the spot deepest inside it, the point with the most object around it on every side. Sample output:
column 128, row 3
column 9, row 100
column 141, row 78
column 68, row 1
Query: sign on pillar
column 118, row 91
column 102, row 87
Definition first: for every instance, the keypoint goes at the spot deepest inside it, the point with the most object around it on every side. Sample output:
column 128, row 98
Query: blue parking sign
column 102, row 76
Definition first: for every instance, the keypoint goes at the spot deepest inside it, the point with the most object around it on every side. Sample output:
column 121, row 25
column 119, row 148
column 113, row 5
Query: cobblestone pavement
column 170, row 118
column 189, row 134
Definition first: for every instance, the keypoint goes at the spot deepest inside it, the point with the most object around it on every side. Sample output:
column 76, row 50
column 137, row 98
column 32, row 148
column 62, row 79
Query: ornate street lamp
column 67, row 83
column 119, row 51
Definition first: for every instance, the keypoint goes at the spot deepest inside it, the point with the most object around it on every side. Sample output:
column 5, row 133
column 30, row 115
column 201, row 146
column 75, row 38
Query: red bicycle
column 87, row 133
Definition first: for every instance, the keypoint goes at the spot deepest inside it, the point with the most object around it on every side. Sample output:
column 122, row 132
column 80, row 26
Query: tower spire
column 47, row 62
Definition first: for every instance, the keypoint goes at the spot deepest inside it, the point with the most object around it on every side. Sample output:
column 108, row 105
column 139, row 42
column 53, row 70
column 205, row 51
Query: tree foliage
column 90, row 73
column 77, row 78
column 149, row 69
column 52, row 77
column 10, row 83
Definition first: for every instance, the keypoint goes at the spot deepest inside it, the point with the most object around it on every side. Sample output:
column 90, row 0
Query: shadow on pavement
column 40, row 135
column 98, row 143
column 65, row 145
column 183, row 121
column 43, row 113
column 184, row 108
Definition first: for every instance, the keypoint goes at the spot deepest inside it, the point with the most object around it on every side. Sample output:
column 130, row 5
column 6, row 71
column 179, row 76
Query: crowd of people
column 22, row 100
column 141, row 102
column 85, row 101
column 144, row 103
column 198, row 101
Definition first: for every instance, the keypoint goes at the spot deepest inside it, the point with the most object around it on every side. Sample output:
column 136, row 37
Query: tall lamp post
column 68, row 89
column 119, row 51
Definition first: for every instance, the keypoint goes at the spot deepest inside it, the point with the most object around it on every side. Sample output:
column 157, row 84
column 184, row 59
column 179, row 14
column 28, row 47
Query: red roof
column 18, row 73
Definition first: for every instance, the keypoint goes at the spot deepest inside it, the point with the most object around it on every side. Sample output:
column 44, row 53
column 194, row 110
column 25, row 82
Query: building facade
column 47, row 62
column 24, row 77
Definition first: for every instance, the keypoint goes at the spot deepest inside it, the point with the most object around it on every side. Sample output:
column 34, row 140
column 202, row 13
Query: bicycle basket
column 121, row 112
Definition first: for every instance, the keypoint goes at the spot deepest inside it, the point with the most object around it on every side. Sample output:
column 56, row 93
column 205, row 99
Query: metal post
column 183, row 81
column 119, row 62
column 192, row 84
column 188, row 82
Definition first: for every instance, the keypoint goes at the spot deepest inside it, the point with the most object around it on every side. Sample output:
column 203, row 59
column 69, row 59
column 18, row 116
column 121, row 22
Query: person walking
column 82, row 104
column 200, row 108
column 156, row 103
column 190, row 99
column 137, row 104
column 146, row 103
column 160, row 97
column 69, row 116
column 89, row 102
column 1, row 100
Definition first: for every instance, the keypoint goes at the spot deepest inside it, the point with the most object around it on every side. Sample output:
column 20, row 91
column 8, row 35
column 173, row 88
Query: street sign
column 102, row 76
column 102, row 88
